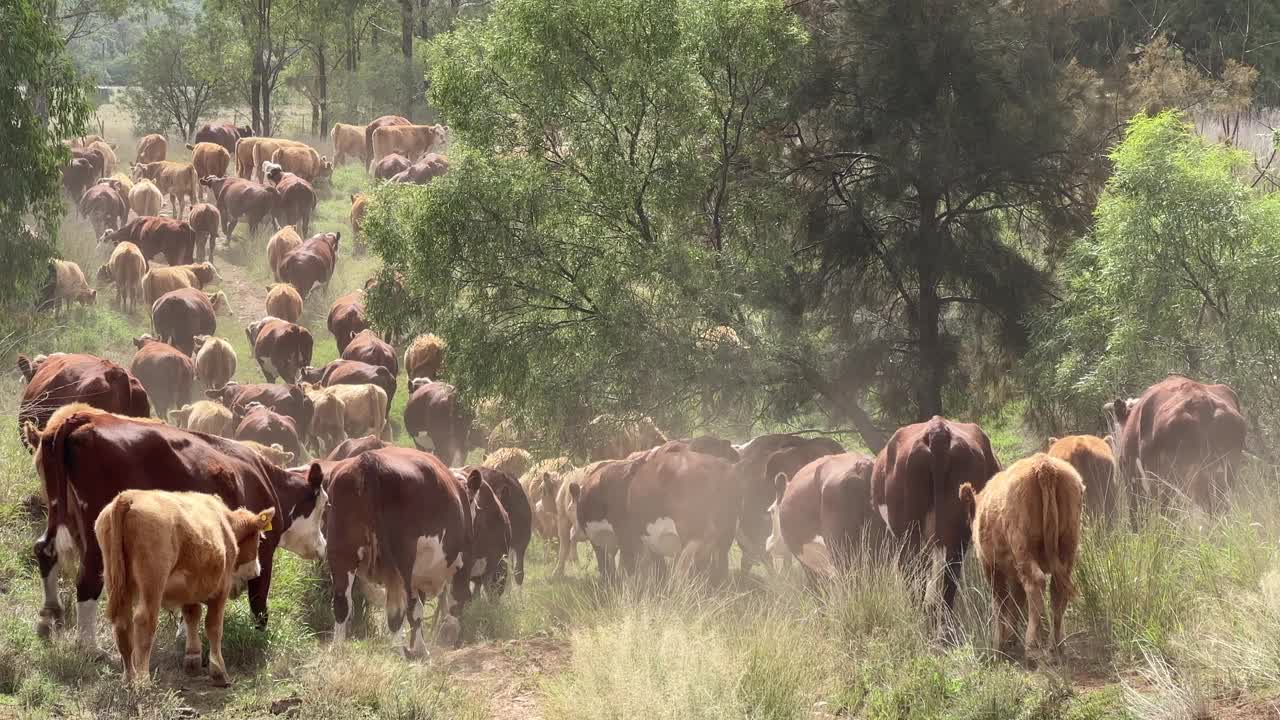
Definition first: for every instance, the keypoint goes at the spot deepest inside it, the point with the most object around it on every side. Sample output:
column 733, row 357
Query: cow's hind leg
column 1033, row 582
column 213, row 630
column 47, row 558
column 1061, row 592
column 88, row 591
column 191, row 654
column 146, row 616
column 123, row 627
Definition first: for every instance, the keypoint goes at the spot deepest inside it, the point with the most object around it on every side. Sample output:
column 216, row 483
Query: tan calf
column 411, row 141
column 174, row 550
column 206, row 220
column 69, row 285
column 567, row 532
column 1093, row 458
column 273, row 453
column 285, row 241
column 215, row 361
column 177, row 180
column 510, row 460
column 125, row 268
column 205, row 416
column 359, row 205
column 348, row 142
column 425, row 358
column 108, row 151
column 1026, row 528
column 209, row 159
column 541, row 484
column 304, row 162
column 265, row 148
column 160, row 280
column 145, row 199
column 151, row 148
column 284, row 302
column 328, row 419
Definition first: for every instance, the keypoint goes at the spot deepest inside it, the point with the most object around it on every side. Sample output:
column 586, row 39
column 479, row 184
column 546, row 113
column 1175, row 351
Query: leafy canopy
column 605, row 204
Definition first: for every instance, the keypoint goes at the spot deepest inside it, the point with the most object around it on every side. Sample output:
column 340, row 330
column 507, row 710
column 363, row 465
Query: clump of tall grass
column 350, row 681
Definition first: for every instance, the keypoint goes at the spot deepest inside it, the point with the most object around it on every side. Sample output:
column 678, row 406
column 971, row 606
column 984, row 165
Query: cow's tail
column 114, row 575
column 969, row 498
column 1045, row 476
column 938, row 439
column 53, row 461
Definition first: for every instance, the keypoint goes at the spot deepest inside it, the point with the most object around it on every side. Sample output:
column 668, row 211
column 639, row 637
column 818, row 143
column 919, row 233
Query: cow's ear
column 213, row 393
column 264, row 519
column 474, row 480
column 315, row 477
column 780, row 484
column 575, row 491
column 31, row 433
column 1121, row 409
column 1052, row 441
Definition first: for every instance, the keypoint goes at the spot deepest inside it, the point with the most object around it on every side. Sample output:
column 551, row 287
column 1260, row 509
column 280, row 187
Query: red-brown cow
column 263, row 425
column 426, row 169
column 352, row 372
column 346, row 318
column 435, row 417
column 177, row 317
column 369, row 348
column 312, row 263
column 238, row 198
column 823, row 511
column 206, row 220
column 168, row 375
column 104, row 207
column 288, row 400
column 92, row 456
column 490, row 533
column 400, row 520
column 1180, row 436
column 916, row 486
column 295, row 201
column 155, row 235
column 224, row 134
column 519, row 516
column 64, row 379
column 210, row 159
column 280, row 347
column 1094, row 459
column 352, row 447
column 390, row 166
column 77, row 176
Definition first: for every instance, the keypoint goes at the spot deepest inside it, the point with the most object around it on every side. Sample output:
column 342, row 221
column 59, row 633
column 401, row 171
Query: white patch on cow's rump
column 305, row 536
column 340, row 624
column 430, row 569
column 600, row 532
column 87, row 623
column 816, row 556
column 884, row 513
column 661, row 537
column 478, row 567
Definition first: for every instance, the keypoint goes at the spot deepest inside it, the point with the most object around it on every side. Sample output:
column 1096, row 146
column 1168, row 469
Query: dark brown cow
column 352, row 447
column 177, row 317
column 823, row 511
column 390, row 166
column 1180, row 436
column 238, row 198
column 280, row 347
column 95, row 158
column 490, row 533
column 369, row 348
column 295, row 202
column 759, row 490
column 519, row 513
column 346, row 318
column 288, row 400
column 670, row 502
column 435, row 416
column 427, row 168
column 104, row 207
column 77, row 176
column 352, row 372
column 384, row 121
column 155, row 235
column 916, row 488
column 168, row 375
column 399, row 520
column 224, row 134
column 312, row 263
column 92, row 456
column 263, row 425
column 63, row 379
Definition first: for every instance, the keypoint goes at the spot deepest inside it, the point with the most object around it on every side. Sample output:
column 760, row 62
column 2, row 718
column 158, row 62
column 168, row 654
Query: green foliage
column 1178, row 275
column 41, row 101
column 603, row 207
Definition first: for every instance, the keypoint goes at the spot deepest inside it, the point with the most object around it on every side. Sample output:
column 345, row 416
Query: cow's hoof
column 191, row 664
column 411, row 653
column 450, row 633
column 218, row 678
column 44, row 629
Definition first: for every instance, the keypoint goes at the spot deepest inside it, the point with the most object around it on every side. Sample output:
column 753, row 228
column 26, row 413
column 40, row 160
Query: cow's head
column 302, row 495
column 113, row 236
column 179, row 418
column 311, row 375
column 26, row 368
column 104, row 276
column 206, row 273
column 221, row 305
column 245, row 131
column 87, row 297
column 326, row 168
column 144, row 170
column 249, row 528
column 272, row 171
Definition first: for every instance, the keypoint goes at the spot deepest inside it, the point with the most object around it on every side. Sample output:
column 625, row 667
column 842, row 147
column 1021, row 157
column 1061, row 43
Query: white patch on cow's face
column 884, row 513
column 430, row 569
column 477, row 568
column 600, row 532
column 817, row 557
column 249, row 570
column 305, row 536
column 87, row 623
column 661, row 537
column 340, row 624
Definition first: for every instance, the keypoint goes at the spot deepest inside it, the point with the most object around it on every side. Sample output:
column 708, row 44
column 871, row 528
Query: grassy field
column 1177, row 620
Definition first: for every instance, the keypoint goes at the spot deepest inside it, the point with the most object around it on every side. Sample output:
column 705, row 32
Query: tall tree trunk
column 322, row 90
column 406, row 29
column 928, row 313
column 255, row 93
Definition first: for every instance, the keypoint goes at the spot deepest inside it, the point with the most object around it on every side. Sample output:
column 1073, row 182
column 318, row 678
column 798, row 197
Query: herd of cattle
column 131, row 495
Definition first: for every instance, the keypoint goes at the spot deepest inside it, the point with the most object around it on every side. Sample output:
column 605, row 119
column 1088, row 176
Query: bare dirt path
column 507, row 673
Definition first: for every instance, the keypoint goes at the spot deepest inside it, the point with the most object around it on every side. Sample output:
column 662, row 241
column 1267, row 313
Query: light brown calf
column 1093, row 458
column 160, row 280
column 215, row 361
column 348, row 142
column 177, row 180
column 1026, row 527
column 125, row 268
column 174, row 550
column 541, row 483
column 510, row 460
column 68, row 285
column 284, row 302
column 145, row 199
column 285, row 241
column 209, row 159
column 205, row 416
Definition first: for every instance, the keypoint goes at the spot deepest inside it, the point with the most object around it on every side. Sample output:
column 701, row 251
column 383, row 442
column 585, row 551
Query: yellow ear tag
column 268, row 527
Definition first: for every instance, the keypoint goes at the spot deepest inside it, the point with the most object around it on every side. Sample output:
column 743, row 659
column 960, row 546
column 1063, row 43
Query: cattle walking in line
column 178, row 551
column 151, row 148
column 352, row 372
column 1026, row 527
column 215, row 361
column 237, row 198
column 436, row 419
column 178, row 316
column 281, row 348
column 69, row 378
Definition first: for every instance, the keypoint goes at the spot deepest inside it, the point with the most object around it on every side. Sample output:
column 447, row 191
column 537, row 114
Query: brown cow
column 384, row 121
column 174, row 550
column 280, row 347
column 823, row 511
column 412, row 141
column 244, row 157
column 66, row 284
column 209, row 159
column 352, row 447
column 284, row 302
column 65, row 379
column 304, row 162
column 223, row 134
column 177, row 180
column 348, row 142
column 167, row 374
column 1093, row 458
column 265, row 148
column 352, row 372
column 95, row 158
column 435, row 418
column 390, row 166
column 264, row 425
column 92, row 456
column 359, row 205
column 204, row 416
column 207, row 222
column 77, row 176
column 288, row 400
column 364, row 408
column 283, row 242
column 916, row 485
column 155, row 235
column 215, row 361
column 490, row 540
column 237, row 198
column 125, row 268
column 426, row 169
column 177, row 317
column 145, row 199
column 160, row 280
column 151, row 148
column 295, row 201
column 519, row 516
column 346, row 319
column 1179, row 436
column 105, row 208
column 311, row 263
column 328, row 420
column 368, row 348
column 1026, row 526
column 400, row 520
column 425, row 358
column 108, row 152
